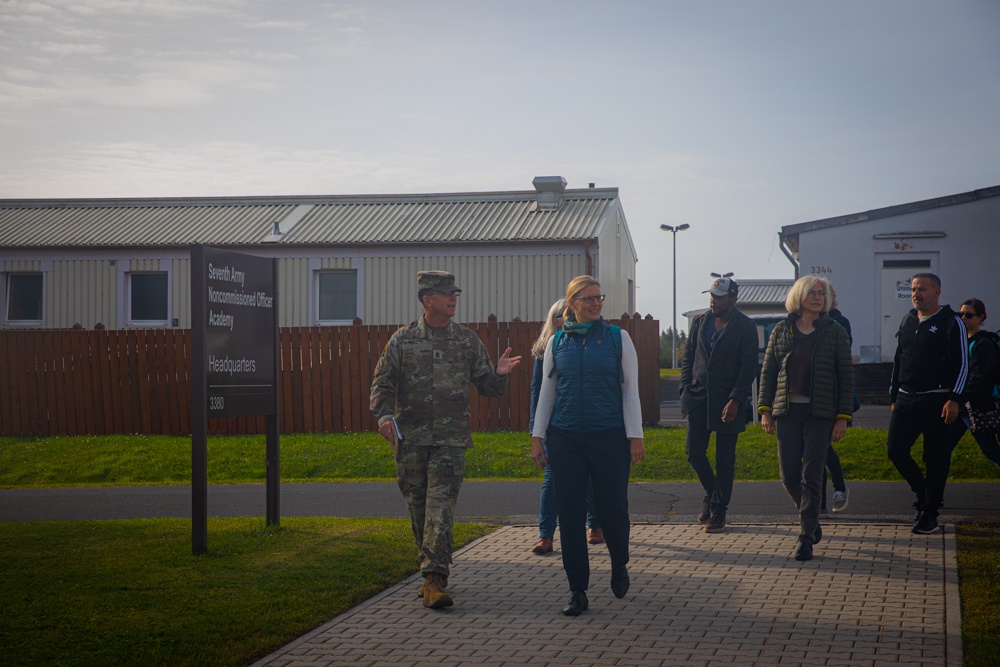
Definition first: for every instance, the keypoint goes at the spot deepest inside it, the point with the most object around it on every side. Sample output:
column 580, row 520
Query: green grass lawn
column 139, row 460
column 131, row 592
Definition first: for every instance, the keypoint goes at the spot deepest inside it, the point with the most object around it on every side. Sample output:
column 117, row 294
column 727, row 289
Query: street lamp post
column 673, row 338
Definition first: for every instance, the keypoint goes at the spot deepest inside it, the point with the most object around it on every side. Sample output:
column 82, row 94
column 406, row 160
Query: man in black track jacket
column 928, row 377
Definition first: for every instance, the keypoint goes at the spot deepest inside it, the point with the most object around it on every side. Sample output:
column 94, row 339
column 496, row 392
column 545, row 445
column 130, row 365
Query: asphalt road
column 502, row 502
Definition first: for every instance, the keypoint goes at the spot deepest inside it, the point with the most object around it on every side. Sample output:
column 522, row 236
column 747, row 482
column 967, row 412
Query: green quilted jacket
column 832, row 370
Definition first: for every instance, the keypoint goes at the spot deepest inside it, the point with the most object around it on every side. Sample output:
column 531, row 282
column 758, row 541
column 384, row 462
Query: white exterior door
column 895, row 293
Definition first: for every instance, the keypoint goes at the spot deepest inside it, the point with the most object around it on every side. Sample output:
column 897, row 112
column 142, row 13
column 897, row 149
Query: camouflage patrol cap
column 436, row 281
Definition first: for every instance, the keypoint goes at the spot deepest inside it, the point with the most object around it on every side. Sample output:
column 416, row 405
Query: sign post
column 234, row 364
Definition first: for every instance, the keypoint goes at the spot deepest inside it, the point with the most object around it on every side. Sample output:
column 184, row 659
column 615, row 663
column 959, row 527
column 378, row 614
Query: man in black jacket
column 928, row 377
column 717, row 374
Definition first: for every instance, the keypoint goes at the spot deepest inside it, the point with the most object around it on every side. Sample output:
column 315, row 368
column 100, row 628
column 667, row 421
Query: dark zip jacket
column 931, row 355
column 832, row 370
column 984, row 369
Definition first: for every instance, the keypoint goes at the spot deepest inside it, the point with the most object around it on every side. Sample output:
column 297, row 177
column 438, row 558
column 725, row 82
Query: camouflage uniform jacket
column 423, row 377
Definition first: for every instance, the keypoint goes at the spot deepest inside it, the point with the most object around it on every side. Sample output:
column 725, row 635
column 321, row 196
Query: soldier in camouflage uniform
column 420, row 396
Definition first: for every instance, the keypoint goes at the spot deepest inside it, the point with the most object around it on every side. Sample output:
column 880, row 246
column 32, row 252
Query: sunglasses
column 968, row 316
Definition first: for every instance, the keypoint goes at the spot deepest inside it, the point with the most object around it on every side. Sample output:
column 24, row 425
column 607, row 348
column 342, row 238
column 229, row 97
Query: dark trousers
column 718, row 485
column 803, row 442
column 912, row 416
column 605, row 457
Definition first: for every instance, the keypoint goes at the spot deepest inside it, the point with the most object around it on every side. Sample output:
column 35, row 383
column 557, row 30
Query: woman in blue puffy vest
column 589, row 416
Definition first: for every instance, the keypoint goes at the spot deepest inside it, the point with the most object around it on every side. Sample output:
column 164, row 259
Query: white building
column 870, row 257
column 126, row 262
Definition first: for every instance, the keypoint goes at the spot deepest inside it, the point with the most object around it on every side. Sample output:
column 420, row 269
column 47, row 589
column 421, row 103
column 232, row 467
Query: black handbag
column 984, row 421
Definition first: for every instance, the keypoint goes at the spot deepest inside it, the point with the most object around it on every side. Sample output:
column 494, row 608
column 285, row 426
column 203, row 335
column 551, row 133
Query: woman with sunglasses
column 806, row 396
column 589, row 417
column 984, row 355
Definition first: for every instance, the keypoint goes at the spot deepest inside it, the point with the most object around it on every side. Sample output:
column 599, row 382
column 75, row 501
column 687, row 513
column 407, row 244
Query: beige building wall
column 616, row 266
column 507, row 286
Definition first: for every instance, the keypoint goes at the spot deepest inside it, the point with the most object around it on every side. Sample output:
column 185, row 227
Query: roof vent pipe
column 550, row 191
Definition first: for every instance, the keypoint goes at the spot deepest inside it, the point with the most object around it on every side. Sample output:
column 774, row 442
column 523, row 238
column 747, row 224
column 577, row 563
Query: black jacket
column 728, row 372
column 931, row 355
column 984, row 369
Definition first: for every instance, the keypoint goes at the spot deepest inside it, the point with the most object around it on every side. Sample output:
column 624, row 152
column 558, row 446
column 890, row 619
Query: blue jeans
column 548, row 508
column 989, row 443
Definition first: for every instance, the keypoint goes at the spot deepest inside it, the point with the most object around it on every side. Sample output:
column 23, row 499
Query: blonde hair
column 796, row 295
column 576, row 286
column 548, row 329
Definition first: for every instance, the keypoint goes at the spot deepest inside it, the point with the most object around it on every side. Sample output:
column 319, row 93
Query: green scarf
column 570, row 325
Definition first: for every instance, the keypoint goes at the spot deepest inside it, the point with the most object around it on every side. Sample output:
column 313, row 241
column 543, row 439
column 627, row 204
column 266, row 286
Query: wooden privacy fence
column 73, row 382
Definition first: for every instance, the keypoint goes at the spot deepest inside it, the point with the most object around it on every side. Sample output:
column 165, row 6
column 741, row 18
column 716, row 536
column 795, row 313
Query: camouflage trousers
column 430, row 478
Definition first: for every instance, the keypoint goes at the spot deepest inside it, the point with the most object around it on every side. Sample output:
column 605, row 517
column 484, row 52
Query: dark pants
column 912, row 416
column 605, row 457
column 803, row 442
column 718, row 485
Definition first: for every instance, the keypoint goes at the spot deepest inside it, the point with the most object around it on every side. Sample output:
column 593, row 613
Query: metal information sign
column 234, row 364
column 240, row 364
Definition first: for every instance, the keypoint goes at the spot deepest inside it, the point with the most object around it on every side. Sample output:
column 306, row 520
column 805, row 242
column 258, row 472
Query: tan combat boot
column 444, row 584
column 434, row 594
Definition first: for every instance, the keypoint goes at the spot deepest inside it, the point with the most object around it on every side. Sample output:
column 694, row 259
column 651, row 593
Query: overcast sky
column 734, row 117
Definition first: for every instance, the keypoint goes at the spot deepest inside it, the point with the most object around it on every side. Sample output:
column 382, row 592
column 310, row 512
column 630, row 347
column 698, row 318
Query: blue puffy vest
column 588, row 382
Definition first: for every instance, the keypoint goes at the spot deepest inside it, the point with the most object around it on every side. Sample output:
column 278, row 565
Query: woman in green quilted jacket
column 806, row 396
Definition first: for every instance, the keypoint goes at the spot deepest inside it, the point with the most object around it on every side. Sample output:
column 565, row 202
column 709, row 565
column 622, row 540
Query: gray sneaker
column 839, row 501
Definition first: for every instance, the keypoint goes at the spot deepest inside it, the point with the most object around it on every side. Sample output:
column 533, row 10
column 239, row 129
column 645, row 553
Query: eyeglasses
column 591, row 299
column 968, row 316
column 813, row 293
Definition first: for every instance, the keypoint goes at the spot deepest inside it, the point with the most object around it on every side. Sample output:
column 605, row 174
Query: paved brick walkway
column 874, row 595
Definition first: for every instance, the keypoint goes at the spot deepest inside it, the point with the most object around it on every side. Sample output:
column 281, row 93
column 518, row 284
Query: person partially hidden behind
column 420, row 397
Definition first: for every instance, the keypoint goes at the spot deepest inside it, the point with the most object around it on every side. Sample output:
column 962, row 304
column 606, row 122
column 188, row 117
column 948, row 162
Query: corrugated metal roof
column 764, row 292
column 498, row 216
column 152, row 225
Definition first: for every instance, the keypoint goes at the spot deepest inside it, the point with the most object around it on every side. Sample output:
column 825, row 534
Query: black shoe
column 717, row 523
column 804, row 552
column 577, row 604
column 818, row 535
column 706, row 510
column 619, row 581
column 926, row 524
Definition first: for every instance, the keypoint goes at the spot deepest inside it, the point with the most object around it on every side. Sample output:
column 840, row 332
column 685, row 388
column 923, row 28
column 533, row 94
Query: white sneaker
column 840, row 500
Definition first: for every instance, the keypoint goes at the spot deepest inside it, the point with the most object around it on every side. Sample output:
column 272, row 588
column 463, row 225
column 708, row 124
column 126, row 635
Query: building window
column 337, row 292
column 149, row 299
column 24, row 298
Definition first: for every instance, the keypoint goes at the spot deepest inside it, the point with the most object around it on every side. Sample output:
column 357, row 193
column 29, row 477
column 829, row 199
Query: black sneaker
column 926, row 524
column 706, row 510
column 716, row 523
